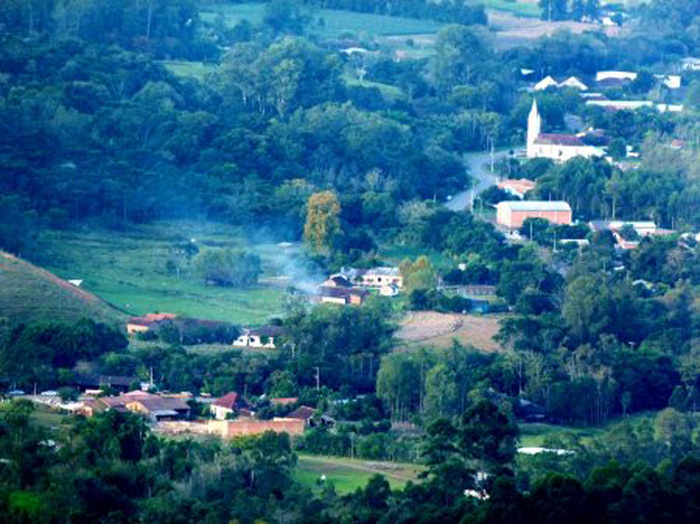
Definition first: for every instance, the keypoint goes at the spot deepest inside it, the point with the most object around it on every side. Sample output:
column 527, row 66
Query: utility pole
column 318, row 378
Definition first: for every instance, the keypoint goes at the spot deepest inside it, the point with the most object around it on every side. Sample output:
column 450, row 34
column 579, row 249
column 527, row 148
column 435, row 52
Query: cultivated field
column 349, row 474
column 128, row 269
column 439, row 330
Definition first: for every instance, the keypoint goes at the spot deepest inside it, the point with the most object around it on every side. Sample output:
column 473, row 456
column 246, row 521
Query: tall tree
column 322, row 229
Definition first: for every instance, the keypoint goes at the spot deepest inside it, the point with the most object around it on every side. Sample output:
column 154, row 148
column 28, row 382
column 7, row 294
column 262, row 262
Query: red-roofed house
column 517, row 188
column 304, row 413
column 227, row 405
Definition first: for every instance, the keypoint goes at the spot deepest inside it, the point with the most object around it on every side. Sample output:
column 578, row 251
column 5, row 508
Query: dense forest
column 343, row 146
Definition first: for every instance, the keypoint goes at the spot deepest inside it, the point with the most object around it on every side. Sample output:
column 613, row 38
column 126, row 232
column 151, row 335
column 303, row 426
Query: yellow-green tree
column 322, row 228
column 420, row 274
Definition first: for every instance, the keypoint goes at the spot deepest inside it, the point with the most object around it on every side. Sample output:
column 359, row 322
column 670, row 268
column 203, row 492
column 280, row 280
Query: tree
column 228, row 267
column 553, row 9
column 322, row 230
column 419, row 274
column 459, row 50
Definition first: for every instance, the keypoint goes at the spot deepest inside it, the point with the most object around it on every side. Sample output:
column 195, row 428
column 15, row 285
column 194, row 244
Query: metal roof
column 535, row 205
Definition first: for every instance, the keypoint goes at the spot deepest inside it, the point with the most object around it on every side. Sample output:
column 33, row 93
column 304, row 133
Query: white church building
column 558, row 147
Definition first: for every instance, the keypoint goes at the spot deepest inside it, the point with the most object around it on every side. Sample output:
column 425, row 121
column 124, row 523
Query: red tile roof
column 560, row 140
column 302, row 412
column 228, row 401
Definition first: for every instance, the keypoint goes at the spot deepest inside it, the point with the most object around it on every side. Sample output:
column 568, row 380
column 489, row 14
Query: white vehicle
column 49, row 393
column 16, row 393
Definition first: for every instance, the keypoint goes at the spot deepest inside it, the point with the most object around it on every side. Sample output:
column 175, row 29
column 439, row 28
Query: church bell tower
column 534, row 128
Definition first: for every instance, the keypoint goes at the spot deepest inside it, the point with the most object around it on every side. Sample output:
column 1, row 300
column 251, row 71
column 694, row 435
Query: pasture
column 328, row 23
column 129, row 270
column 347, row 474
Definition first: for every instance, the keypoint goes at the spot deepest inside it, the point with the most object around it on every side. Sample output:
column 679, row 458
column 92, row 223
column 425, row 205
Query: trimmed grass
column 526, row 8
column 42, row 416
column 349, row 474
column 334, row 22
column 128, row 269
column 387, row 90
column 197, row 70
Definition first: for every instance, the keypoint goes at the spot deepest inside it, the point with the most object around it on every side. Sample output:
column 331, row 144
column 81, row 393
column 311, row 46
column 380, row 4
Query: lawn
column 128, row 269
column 534, row 434
column 42, row 416
column 198, row 70
column 330, row 23
column 349, row 474
column 526, row 8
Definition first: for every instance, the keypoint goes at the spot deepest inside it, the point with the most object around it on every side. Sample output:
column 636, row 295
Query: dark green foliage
column 228, row 267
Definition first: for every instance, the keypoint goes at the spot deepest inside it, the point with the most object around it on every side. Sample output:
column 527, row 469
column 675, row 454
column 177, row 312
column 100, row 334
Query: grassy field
column 198, row 70
column 349, row 474
column 535, row 434
column 128, row 269
column 334, row 23
column 29, row 293
column 526, row 8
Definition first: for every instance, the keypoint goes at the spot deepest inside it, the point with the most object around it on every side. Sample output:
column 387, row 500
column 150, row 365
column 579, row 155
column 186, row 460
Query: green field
column 527, row 8
column 349, row 474
column 334, row 22
column 128, row 269
column 198, row 70
column 535, row 434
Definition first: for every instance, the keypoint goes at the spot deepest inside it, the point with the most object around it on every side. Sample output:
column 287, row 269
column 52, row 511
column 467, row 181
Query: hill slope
column 29, row 293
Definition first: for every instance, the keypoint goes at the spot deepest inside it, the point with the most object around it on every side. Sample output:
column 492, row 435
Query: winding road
column 479, row 165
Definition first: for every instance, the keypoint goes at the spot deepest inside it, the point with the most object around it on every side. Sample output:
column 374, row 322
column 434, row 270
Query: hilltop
column 29, row 293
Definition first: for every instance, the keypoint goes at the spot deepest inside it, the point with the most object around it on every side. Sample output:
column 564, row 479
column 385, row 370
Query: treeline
column 570, row 9
column 166, row 29
column 450, row 11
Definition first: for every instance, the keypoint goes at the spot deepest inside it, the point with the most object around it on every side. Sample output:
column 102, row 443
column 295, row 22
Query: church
column 558, row 147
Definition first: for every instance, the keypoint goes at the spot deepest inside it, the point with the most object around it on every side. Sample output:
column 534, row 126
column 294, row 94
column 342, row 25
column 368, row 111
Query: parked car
column 16, row 393
column 49, row 393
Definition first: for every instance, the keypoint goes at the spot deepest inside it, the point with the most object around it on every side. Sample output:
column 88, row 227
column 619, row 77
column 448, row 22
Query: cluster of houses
column 232, row 415
column 353, row 286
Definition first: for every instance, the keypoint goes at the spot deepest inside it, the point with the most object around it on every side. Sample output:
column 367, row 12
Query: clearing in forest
column 349, row 474
column 428, row 329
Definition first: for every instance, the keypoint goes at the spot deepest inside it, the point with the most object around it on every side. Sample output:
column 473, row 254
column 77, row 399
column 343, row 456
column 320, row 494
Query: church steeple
column 534, row 127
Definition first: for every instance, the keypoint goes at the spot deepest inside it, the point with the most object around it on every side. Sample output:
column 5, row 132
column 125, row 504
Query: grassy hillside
column 128, row 269
column 29, row 293
column 334, row 22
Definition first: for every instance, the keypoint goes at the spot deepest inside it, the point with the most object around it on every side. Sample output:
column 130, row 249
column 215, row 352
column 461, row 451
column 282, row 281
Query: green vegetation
column 130, row 270
column 197, row 70
column 335, row 22
column 347, row 475
column 28, row 293
column 526, row 8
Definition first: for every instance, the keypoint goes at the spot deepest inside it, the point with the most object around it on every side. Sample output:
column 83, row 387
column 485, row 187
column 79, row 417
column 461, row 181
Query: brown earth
column 428, row 329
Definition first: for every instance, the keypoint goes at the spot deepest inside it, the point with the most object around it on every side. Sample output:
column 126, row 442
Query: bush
column 228, row 267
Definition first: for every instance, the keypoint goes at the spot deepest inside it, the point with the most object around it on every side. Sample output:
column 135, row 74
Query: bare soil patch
column 429, row 329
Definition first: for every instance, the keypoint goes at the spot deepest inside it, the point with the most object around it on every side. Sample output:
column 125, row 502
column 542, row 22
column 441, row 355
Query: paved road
column 480, row 171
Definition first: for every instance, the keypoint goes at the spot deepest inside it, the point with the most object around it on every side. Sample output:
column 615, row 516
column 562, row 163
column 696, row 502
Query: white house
column 264, row 337
column 550, row 81
column 558, row 147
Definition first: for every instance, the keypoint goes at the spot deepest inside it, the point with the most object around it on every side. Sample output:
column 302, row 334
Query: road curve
column 479, row 165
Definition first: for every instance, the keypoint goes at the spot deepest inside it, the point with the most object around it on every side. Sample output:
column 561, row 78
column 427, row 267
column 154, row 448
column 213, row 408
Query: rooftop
column 535, row 205
column 559, row 139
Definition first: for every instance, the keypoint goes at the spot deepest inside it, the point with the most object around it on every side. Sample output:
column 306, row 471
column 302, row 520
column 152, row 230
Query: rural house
column 155, row 408
column 246, row 428
column 374, row 278
column 230, row 404
column 343, row 296
column 518, row 188
column 512, row 214
column 264, row 337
